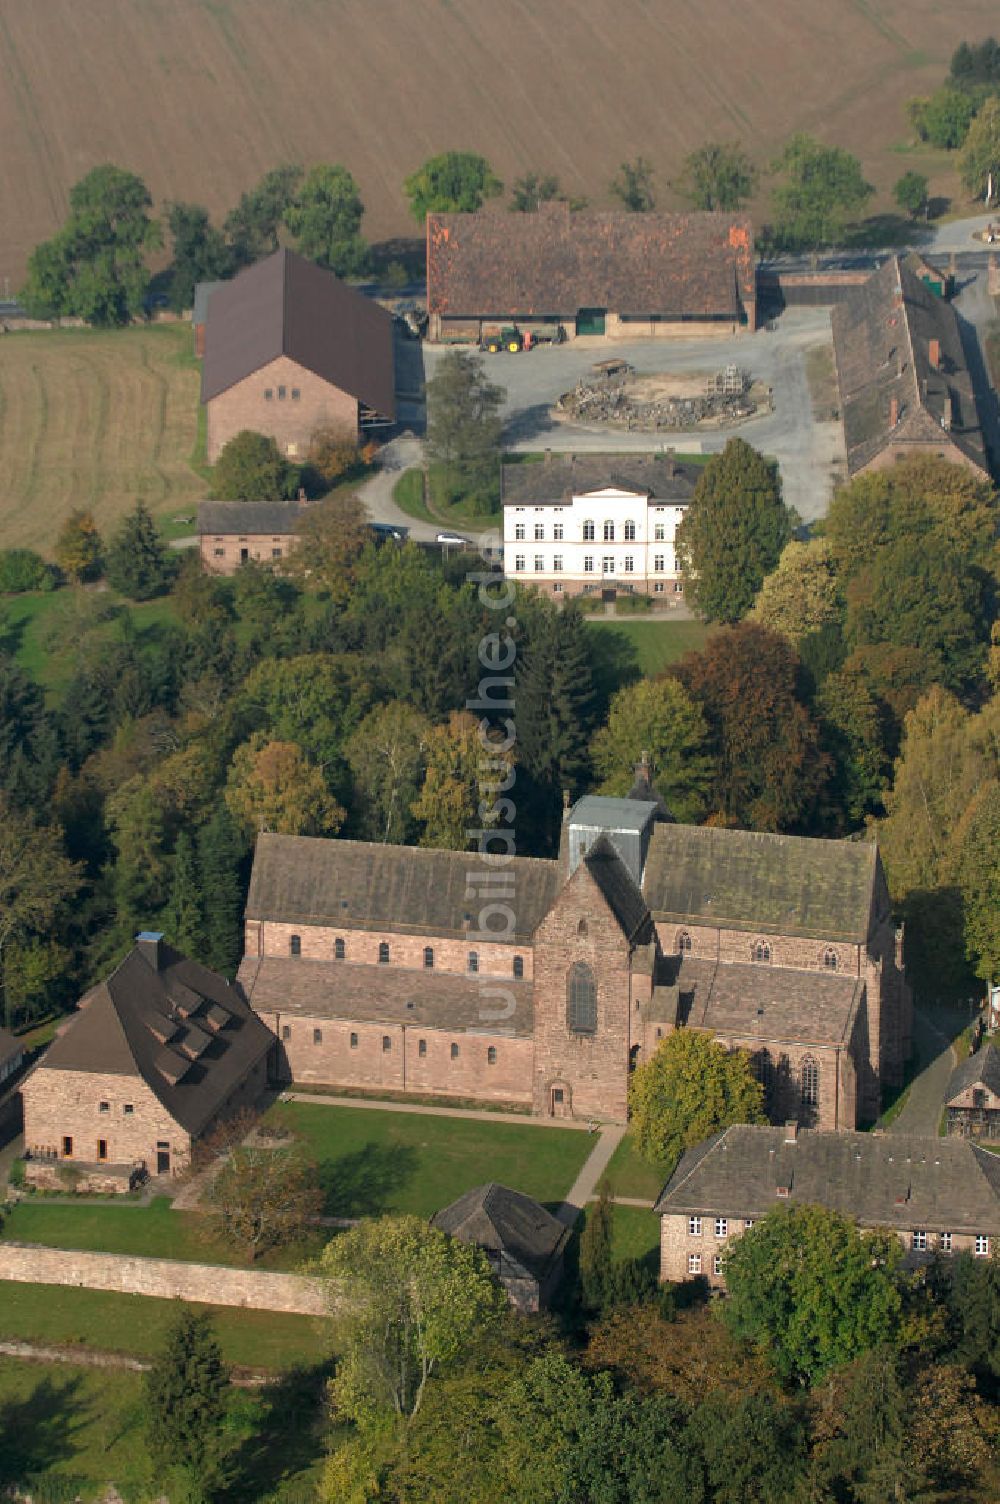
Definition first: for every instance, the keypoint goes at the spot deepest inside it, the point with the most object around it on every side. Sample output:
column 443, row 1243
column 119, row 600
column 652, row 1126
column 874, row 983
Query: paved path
column 585, row 1185
column 921, row 1111
column 521, row 1120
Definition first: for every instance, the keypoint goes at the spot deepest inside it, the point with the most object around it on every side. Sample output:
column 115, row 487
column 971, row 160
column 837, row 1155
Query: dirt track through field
column 202, row 96
column 94, row 420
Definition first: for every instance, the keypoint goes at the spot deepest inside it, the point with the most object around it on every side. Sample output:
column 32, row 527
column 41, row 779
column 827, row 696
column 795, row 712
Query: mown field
column 202, row 96
column 98, row 420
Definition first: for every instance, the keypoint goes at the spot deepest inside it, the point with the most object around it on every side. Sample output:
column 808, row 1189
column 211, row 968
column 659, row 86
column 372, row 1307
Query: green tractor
column 508, row 338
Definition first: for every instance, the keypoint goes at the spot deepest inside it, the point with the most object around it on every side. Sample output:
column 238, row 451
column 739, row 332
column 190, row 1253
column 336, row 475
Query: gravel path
column 585, row 1185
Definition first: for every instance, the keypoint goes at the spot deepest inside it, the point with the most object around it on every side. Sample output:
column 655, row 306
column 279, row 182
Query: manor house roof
column 386, row 994
column 559, row 478
column 554, row 262
column 286, row 305
column 406, row 889
column 775, row 884
column 896, row 1181
column 183, row 1029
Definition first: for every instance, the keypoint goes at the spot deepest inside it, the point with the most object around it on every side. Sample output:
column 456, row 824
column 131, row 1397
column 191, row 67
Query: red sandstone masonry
column 166, row 1279
column 406, row 952
column 291, row 422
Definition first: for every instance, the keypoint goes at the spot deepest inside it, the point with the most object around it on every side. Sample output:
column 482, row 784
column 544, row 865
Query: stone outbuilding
column 611, row 273
column 289, row 349
column 231, row 533
column 153, row 1058
column 524, row 1244
column 972, row 1101
column 905, row 387
column 940, row 1196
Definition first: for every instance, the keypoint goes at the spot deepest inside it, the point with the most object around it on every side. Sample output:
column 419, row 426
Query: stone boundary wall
column 166, row 1279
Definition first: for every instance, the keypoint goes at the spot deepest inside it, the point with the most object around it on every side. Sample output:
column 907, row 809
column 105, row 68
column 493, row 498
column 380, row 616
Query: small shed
column 973, row 1099
column 525, row 1244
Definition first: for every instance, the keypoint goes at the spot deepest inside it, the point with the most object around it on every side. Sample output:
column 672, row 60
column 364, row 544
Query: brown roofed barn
column 904, row 384
column 619, row 274
column 289, row 348
column 154, row 1057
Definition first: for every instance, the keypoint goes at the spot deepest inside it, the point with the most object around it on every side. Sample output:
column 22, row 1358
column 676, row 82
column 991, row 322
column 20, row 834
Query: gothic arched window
column 683, row 942
column 810, row 1082
column 762, row 951
column 581, row 999
column 428, row 958
column 581, row 928
column 830, row 959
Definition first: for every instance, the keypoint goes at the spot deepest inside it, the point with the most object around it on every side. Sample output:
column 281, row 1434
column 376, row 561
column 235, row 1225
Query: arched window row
column 581, row 999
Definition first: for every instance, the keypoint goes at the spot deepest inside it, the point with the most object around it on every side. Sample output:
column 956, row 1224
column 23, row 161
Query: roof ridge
column 424, row 852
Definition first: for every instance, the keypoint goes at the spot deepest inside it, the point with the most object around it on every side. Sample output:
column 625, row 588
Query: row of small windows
column 589, row 532
column 761, row 951
column 721, row 1226
column 282, row 393
column 127, row 1108
column 317, row 1038
column 607, row 564
column 920, row 1242
column 384, row 955
column 694, row 1263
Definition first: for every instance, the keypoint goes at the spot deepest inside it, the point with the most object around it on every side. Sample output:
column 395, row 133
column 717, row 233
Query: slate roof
column 406, row 889
column 507, row 1223
column 183, row 1029
column 386, row 994
column 552, row 262
column 202, row 292
column 881, row 339
column 240, row 517
column 559, row 478
column 10, row 1047
column 897, row 1181
column 285, row 305
column 618, row 889
column 757, row 1001
column 741, row 879
column 982, row 1068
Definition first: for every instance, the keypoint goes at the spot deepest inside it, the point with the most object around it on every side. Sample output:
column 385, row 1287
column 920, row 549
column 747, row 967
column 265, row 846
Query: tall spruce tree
column 596, row 1274
column 138, row 563
column 183, row 920
column 554, row 714
column 186, row 1404
column 220, row 857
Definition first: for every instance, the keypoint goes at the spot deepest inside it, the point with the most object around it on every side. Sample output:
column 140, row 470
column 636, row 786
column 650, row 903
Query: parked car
column 452, row 538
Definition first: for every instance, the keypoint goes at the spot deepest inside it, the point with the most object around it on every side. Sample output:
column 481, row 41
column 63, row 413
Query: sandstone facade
column 283, row 400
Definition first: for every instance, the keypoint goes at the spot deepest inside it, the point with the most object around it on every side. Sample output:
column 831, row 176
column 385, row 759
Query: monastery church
column 381, row 967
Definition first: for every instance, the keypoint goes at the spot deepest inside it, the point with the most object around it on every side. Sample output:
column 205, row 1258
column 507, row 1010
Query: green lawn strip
column 636, row 1233
column 154, row 1231
column 408, row 494
column 628, row 1174
column 373, row 1161
column 459, row 510
column 74, row 1430
column 656, row 644
column 24, row 620
column 137, row 1325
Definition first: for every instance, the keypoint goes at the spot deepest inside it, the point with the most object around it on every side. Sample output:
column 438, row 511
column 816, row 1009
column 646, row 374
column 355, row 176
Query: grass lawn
column 74, row 1430
column 653, row 644
column 96, row 419
column 629, row 1175
column 373, row 1161
column 136, row 1324
column 153, row 1231
column 408, row 494
column 636, row 1233
column 31, row 627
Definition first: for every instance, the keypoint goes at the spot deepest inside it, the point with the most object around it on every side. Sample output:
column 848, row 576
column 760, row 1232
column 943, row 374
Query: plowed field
column 201, row 96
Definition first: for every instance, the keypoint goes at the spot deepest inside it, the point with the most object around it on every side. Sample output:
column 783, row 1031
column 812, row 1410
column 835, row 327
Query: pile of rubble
column 620, row 401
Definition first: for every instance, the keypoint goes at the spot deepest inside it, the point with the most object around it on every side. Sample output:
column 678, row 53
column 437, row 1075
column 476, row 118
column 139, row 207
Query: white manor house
column 606, row 523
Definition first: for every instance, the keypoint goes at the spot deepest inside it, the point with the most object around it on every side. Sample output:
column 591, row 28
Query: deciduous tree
column 252, row 227
column 976, row 863
column 456, row 798
column 814, row 1289
column 943, row 118
column 801, row 594
column 657, row 717
column 980, row 161
column 200, row 253
column 910, row 192
column 263, row 1194
column 36, row 877
column 273, row 786
column 690, row 1088
column 186, row 1391
column 533, row 189
column 252, row 468
column 454, row 182
column 718, row 175
column 325, row 217
column 464, row 426
column 633, row 185
column 820, row 189
column 78, row 547
column 407, row 1301
column 386, row 757
column 733, row 532
column 332, row 537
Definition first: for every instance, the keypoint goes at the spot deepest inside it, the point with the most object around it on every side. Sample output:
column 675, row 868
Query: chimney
column 934, row 353
column 893, row 411
column 548, row 456
column 302, row 496
column 149, row 945
column 642, row 770
column 791, row 1133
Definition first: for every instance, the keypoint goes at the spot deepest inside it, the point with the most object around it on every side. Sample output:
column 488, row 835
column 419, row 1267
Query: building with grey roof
column 972, row 1100
column 541, row 983
column 936, row 1195
column 289, row 350
column 524, row 1244
column 152, row 1059
column 905, row 386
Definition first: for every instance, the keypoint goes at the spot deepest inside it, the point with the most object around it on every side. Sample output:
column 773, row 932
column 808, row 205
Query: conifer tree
column 186, row 1400
column 138, row 564
column 182, row 921
column 220, row 855
column 596, row 1275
